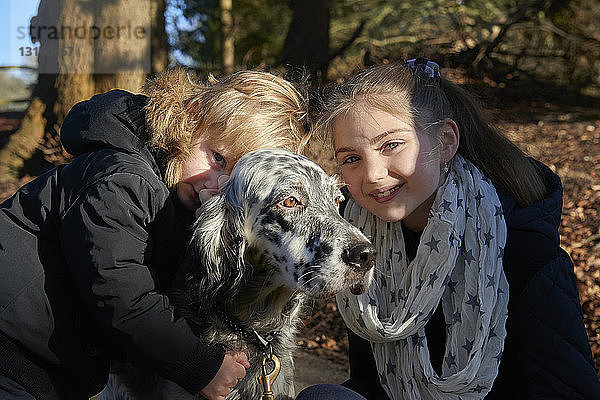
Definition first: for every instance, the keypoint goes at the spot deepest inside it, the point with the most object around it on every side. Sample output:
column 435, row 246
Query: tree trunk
column 73, row 81
column 94, row 47
column 56, row 90
column 307, row 42
column 23, row 142
column 122, row 62
column 227, row 32
column 159, row 45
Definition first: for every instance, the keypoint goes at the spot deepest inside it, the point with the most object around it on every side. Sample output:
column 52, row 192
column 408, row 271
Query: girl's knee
column 328, row 391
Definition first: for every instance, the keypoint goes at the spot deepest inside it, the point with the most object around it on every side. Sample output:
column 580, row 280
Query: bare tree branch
column 348, row 42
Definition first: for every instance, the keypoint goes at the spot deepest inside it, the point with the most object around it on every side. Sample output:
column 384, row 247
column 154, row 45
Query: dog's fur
column 259, row 256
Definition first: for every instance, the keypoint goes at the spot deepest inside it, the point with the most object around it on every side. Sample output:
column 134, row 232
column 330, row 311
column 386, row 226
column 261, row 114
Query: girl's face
column 391, row 169
column 201, row 172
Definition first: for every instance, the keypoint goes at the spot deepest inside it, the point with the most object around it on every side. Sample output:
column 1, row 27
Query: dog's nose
column 361, row 255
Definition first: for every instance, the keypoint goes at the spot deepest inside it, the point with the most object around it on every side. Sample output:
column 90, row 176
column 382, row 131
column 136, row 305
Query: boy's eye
column 218, row 158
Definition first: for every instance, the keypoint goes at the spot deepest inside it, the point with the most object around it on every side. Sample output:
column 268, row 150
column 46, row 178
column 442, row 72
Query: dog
column 271, row 239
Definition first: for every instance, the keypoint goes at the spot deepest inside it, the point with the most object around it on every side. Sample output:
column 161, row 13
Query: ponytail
column 492, row 152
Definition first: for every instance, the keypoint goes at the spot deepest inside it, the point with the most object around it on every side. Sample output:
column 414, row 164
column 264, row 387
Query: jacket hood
column 113, row 120
column 543, row 216
column 124, row 121
column 167, row 115
column 121, row 120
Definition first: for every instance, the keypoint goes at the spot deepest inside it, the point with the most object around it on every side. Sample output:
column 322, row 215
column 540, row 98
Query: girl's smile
column 385, row 194
column 391, row 168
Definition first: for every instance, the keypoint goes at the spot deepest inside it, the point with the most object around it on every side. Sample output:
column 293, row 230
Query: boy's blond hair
column 241, row 112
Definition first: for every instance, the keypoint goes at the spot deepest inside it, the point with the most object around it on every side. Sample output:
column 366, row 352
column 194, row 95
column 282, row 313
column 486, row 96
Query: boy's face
column 206, row 168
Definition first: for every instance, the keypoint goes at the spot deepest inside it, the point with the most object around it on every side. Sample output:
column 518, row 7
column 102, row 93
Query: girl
column 473, row 296
column 87, row 249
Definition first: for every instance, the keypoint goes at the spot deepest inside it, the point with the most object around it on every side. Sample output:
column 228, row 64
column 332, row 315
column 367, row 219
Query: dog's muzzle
column 361, row 258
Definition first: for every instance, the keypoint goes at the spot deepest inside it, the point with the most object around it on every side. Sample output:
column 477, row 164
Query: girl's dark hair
column 426, row 102
column 492, row 152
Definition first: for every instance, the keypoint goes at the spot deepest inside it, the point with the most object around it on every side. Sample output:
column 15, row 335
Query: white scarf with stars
column 458, row 262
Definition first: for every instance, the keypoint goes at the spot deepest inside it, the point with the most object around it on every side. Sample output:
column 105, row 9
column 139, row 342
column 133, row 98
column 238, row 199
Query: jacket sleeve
column 108, row 248
column 549, row 354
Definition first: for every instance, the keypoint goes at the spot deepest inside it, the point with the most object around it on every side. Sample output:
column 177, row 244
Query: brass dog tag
column 267, row 379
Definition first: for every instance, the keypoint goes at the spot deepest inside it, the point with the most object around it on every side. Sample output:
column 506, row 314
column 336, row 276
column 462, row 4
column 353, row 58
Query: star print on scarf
column 458, row 263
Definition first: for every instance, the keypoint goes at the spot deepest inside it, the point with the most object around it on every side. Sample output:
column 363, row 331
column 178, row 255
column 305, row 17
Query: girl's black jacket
column 546, row 351
column 85, row 251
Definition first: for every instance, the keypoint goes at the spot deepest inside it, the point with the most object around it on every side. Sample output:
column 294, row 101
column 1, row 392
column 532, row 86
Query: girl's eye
column 391, row 145
column 350, row 160
column 290, row 202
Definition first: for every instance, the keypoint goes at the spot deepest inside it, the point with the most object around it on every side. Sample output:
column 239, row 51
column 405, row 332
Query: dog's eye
column 290, row 202
column 339, row 199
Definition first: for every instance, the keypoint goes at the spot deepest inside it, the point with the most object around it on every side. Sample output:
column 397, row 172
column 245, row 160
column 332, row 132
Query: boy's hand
column 205, row 194
column 232, row 370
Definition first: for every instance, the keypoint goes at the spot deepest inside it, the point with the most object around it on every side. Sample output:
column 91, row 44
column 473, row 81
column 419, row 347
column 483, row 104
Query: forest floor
column 559, row 129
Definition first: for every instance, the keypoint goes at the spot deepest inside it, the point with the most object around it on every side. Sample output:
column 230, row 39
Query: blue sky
column 14, row 20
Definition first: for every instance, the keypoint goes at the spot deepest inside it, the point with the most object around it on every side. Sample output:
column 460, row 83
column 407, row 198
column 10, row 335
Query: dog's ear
column 215, row 260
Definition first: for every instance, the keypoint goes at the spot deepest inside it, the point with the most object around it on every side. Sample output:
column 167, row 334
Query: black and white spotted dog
column 272, row 238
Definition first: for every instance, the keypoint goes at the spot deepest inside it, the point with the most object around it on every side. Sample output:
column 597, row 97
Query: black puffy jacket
column 546, row 351
column 85, row 251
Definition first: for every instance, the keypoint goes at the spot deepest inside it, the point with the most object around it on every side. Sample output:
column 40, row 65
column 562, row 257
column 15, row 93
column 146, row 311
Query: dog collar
column 263, row 343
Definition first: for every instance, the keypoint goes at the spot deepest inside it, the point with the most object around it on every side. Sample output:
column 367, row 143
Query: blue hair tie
column 429, row 67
